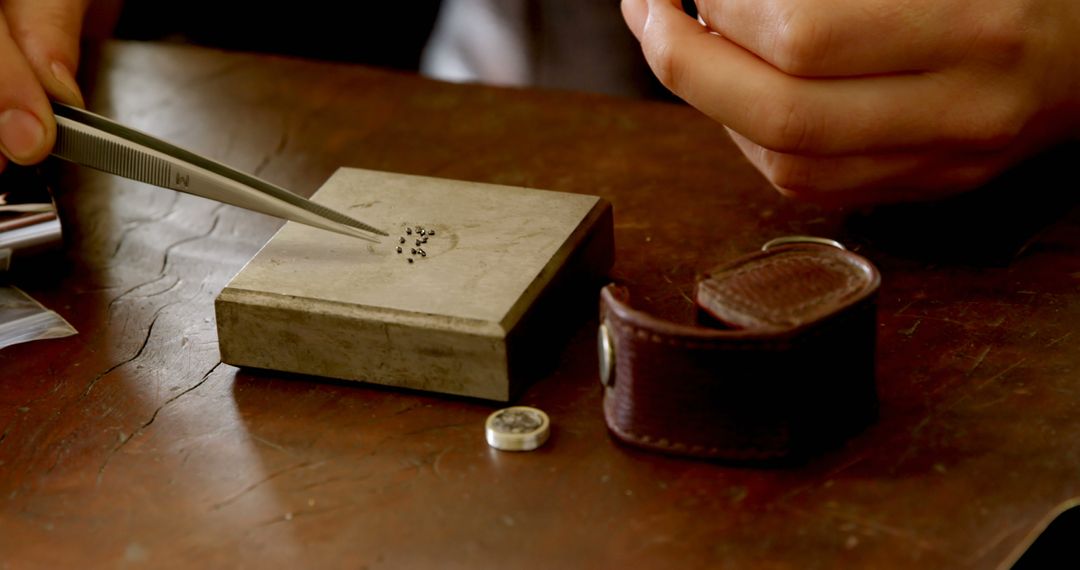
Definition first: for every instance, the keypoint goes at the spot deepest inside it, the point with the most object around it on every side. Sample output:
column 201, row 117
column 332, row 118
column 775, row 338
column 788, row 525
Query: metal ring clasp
column 785, row 240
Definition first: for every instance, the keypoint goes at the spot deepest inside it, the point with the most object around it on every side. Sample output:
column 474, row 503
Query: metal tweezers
column 100, row 143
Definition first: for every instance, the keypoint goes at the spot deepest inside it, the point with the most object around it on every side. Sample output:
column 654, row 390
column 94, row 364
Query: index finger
column 47, row 32
column 27, row 127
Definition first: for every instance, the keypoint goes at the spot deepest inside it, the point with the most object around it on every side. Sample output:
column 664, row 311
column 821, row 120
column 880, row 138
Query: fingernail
column 67, row 79
column 21, row 135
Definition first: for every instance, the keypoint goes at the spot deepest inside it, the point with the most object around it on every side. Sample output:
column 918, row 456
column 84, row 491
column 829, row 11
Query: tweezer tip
column 371, row 230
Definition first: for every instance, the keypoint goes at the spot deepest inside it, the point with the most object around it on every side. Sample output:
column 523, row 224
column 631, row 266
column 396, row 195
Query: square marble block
column 509, row 273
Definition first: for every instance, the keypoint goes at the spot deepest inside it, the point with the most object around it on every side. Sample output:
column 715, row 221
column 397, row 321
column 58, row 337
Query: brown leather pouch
column 792, row 373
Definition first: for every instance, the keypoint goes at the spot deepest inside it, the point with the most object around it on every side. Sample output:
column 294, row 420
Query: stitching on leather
column 734, row 451
column 745, row 304
column 656, row 338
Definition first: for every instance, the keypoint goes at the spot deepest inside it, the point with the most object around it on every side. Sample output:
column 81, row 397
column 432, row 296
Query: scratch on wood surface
column 309, row 512
column 270, row 444
column 902, row 310
column 124, row 441
column 138, row 353
column 233, row 498
column 910, row 330
column 828, row 477
column 408, row 407
column 436, row 428
column 56, row 458
column 436, row 465
column 978, row 360
column 1058, row 340
column 991, row 403
column 331, row 480
column 990, row 380
column 965, row 324
column 901, row 533
column 906, row 535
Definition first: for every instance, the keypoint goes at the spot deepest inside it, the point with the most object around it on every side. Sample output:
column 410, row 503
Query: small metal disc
column 518, row 428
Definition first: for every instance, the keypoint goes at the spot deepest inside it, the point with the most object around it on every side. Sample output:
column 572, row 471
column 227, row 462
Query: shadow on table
column 990, row 226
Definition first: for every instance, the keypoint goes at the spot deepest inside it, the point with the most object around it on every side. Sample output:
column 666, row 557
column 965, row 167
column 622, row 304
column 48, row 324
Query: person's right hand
column 854, row 101
column 39, row 52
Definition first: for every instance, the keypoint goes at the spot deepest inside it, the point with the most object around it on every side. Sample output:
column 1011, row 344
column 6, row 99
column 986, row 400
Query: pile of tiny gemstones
column 419, row 235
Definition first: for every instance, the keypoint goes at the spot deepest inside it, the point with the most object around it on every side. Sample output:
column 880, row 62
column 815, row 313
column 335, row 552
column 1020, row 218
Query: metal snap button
column 605, row 347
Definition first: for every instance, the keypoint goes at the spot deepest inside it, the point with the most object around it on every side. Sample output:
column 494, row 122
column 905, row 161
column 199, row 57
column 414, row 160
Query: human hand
column 39, row 52
column 873, row 100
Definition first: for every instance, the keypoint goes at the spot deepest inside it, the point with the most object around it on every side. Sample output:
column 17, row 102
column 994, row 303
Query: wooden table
column 132, row 443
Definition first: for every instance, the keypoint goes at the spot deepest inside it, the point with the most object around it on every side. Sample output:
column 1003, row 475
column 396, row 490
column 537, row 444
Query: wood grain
column 131, row 443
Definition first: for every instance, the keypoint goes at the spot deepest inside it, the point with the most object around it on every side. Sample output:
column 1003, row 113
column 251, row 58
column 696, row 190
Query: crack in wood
column 132, row 289
column 132, row 225
column 138, row 353
column 149, row 422
column 255, row 485
column 278, row 151
column 217, row 218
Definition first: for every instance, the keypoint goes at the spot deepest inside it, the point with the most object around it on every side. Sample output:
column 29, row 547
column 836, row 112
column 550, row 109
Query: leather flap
column 786, row 287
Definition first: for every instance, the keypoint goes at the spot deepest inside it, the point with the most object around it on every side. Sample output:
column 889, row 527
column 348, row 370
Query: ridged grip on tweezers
column 108, row 156
column 148, row 159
